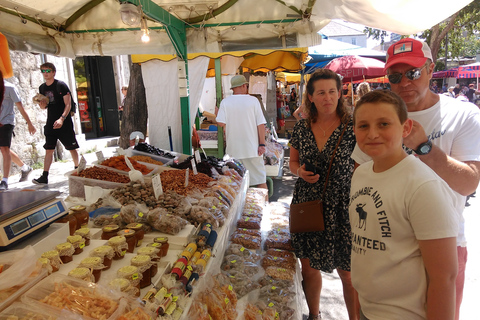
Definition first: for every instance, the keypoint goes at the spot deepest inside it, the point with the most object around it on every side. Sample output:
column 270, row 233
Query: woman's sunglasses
column 413, row 74
column 46, row 70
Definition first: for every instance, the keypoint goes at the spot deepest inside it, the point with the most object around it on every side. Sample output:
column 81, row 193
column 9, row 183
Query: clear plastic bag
column 18, row 265
column 166, row 223
column 249, row 223
column 246, row 240
column 199, row 215
column 240, row 250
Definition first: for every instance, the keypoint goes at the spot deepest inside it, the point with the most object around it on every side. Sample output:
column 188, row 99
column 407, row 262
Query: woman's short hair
column 384, row 96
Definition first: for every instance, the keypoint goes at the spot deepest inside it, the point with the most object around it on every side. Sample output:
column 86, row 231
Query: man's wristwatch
column 424, row 148
column 261, row 145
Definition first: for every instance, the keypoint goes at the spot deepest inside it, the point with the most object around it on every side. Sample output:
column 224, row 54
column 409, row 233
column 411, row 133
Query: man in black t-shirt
column 471, row 93
column 59, row 124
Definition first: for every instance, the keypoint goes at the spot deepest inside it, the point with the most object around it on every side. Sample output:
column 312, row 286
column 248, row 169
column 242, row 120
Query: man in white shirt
column 242, row 117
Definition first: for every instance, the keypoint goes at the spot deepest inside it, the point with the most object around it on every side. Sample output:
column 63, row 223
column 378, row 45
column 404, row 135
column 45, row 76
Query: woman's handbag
column 308, row 216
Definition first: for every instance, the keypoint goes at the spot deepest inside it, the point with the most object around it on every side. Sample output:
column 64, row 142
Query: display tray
column 181, row 157
column 154, row 168
column 76, row 184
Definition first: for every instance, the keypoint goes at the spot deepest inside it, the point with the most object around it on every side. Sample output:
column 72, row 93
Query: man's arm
column 462, row 177
column 440, row 259
column 261, row 139
column 25, row 116
column 59, row 122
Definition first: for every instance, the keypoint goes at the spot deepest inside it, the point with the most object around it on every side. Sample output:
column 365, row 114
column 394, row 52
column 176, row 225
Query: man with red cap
column 444, row 136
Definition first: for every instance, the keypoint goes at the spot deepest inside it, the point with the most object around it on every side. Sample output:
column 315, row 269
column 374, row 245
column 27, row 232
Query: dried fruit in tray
column 268, row 261
column 119, row 163
column 102, row 174
column 240, row 250
column 146, row 159
column 280, row 273
column 249, row 223
column 246, row 240
column 175, row 180
column 253, row 232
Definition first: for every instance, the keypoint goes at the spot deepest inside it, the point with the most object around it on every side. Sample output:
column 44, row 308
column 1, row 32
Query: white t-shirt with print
column 241, row 114
column 454, row 127
column 389, row 212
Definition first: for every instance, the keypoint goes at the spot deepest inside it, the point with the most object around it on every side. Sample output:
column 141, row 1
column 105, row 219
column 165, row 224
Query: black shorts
column 6, row 134
column 65, row 135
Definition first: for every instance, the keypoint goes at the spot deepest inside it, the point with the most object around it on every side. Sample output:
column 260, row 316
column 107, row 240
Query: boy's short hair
column 385, row 96
column 48, row 65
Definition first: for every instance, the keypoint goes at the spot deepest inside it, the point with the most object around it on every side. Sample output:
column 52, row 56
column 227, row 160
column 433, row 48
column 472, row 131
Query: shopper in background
column 314, row 140
column 404, row 254
column 443, row 135
column 242, row 117
column 7, row 124
column 59, row 124
column 471, row 93
column 362, row 89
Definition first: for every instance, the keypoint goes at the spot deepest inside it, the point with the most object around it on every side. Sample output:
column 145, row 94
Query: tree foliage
column 462, row 28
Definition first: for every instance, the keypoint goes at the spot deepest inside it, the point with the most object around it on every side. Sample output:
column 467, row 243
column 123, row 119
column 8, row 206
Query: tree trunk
column 436, row 36
column 135, row 113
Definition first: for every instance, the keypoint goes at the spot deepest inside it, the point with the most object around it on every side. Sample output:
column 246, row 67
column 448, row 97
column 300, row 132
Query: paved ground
column 331, row 304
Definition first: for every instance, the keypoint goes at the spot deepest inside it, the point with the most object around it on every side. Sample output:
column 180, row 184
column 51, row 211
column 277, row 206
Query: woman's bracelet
column 298, row 171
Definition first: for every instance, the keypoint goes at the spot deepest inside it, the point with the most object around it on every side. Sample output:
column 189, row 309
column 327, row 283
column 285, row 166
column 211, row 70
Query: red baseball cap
column 409, row 51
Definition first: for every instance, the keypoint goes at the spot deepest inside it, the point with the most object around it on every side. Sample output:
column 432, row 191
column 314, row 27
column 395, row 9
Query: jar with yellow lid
column 84, row 232
column 164, row 244
column 78, row 243
column 54, row 259
column 81, row 214
column 95, row 264
column 123, row 285
column 66, row 251
column 129, row 235
column 71, row 220
column 82, row 274
column 139, row 232
column 131, row 274
column 109, row 231
column 45, row 264
column 104, row 252
column 143, row 263
column 119, row 245
column 153, row 254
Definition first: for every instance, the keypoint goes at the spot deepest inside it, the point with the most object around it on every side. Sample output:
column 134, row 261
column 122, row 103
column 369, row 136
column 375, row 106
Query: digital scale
column 23, row 213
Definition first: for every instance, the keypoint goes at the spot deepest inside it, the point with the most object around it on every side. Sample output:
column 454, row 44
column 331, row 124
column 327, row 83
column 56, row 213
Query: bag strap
column 331, row 160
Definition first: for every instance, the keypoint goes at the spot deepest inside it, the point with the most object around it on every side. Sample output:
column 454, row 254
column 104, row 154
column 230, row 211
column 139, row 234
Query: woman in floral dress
column 314, row 140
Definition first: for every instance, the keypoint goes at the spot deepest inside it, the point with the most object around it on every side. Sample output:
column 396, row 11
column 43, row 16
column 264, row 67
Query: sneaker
column 41, row 180
column 3, row 186
column 25, row 174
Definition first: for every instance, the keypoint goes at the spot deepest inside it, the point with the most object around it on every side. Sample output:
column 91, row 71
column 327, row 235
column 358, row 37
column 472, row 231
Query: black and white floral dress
column 328, row 249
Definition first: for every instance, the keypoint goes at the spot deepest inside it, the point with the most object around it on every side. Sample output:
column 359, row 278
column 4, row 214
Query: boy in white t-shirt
column 404, row 255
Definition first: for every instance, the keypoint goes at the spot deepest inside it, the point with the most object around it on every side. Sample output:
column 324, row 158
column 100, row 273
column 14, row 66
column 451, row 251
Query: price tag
column 120, row 151
column 186, row 177
column 271, row 304
column 273, row 287
column 227, row 300
column 115, row 216
column 82, row 245
column 175, row 298
column 140, row 214
column 233, row 261
column 242, row 249
column 100, row 156
column 82, row 164
column 135, row 276
column 230, row 287
column 194, row 166
column 157, row 186
column 197, row 156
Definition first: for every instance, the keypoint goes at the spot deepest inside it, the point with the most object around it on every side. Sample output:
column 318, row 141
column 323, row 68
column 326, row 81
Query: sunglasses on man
column 413, row 74
column 46, row 70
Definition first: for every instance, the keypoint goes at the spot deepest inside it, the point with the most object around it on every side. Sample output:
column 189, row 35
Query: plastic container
column 144, row 264
column 119, row 245
column 65, row 251
column 74, row 294
column 139, row 232
column 54, row 258
column 165, row 245
column 84, row 232
column 104, row 252
column 81, row 214
column 109, row 231
column 129, row 235
column 71, row 220
column 95, row 265
column 76, row 184
column 149, row 166
column 78, row 243
column 82, row 274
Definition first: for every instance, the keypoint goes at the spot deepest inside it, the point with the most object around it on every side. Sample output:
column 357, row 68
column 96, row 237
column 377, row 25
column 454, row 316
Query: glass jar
column 81, row 214
column 82, row 274
column 144, row 264
column 139, row 232
column 65, row 251
column 95, row 264
column 165, row 245
column 156, row 246
column 45, row 263
column 78, row 243
column 120, row 284
column 109, row 231
column 119, row 245
column 131, row 274
column 104, row 252
column 129, row 234
column 84, row 232
column 54, row 259
column 71, row 220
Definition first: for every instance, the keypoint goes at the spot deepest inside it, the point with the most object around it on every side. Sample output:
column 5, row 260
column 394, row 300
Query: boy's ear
column 407, row 127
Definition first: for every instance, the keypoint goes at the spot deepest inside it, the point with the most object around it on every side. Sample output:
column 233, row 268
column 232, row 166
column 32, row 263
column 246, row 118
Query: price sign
column 197, row 156
column 82, row 164
column 100, row 156
column 186, row 177
column 157, row 185
column 194, row 166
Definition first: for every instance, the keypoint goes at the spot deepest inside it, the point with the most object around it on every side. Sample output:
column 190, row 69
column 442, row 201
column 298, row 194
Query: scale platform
column 23, row 213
